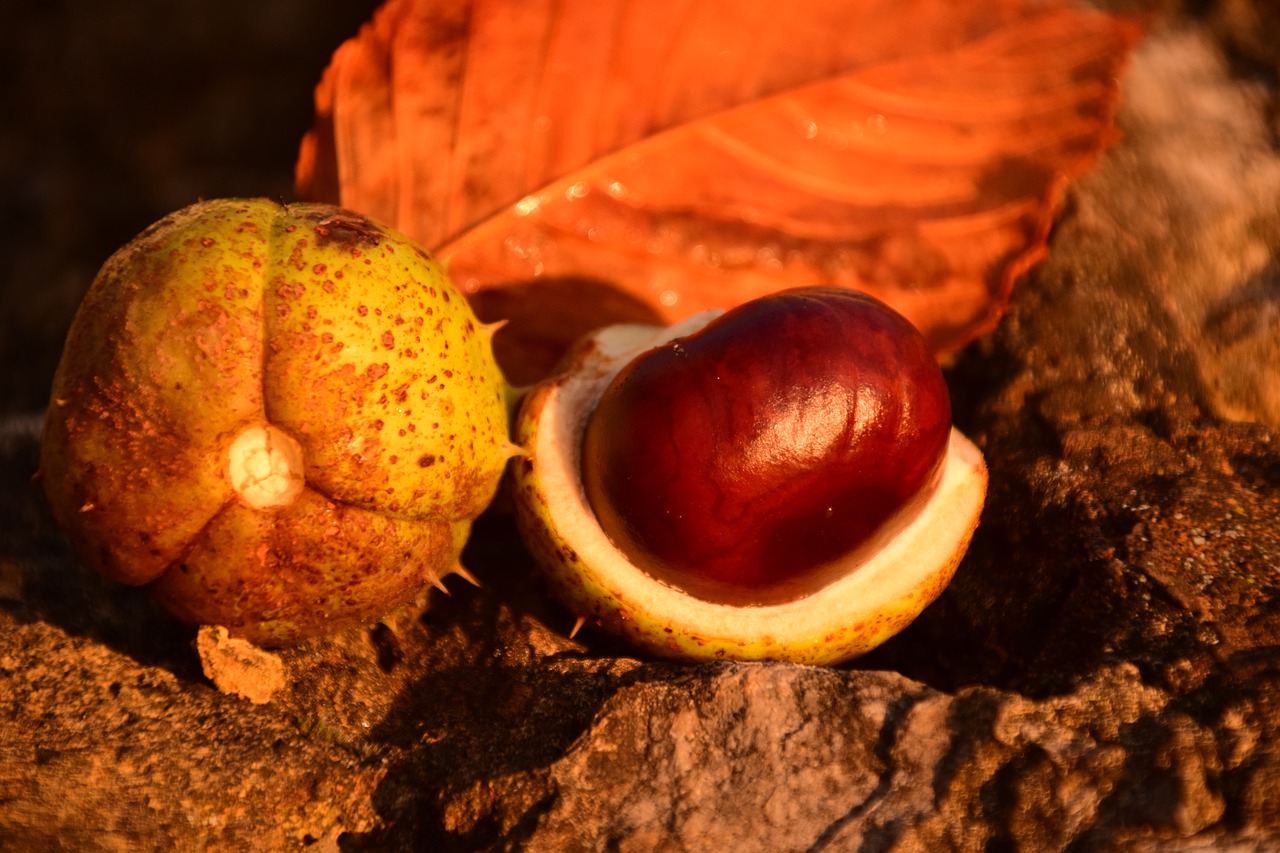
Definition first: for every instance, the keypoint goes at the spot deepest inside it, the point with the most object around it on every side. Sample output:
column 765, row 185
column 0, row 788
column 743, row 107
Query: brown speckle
column 349, row 229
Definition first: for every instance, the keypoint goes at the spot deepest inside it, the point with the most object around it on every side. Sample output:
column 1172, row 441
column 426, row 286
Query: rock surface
column 1104, row 672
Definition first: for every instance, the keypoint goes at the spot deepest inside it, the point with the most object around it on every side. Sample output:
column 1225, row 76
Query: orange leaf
column 586, row 163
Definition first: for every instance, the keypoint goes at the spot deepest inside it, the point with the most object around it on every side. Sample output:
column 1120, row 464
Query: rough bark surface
column 1103, row 673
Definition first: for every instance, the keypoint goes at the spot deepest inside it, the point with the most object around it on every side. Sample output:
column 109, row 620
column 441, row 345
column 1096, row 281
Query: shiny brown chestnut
column 742, row 463
column 781, row 481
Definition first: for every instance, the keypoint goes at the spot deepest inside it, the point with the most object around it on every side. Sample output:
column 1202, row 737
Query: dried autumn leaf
column 579, row 164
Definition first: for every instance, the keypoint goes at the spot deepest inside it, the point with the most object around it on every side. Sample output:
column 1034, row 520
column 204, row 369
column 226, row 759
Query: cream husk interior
column 892, row 582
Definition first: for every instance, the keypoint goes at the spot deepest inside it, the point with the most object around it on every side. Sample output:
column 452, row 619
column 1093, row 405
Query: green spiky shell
column 339, row 331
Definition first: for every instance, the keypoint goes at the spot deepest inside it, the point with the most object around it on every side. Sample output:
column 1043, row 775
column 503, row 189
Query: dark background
column 114, row 114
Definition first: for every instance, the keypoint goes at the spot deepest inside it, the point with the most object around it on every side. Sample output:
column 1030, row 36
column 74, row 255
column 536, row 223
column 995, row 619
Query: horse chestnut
column 779, row 481
column 746, row 479
column 281, row 419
